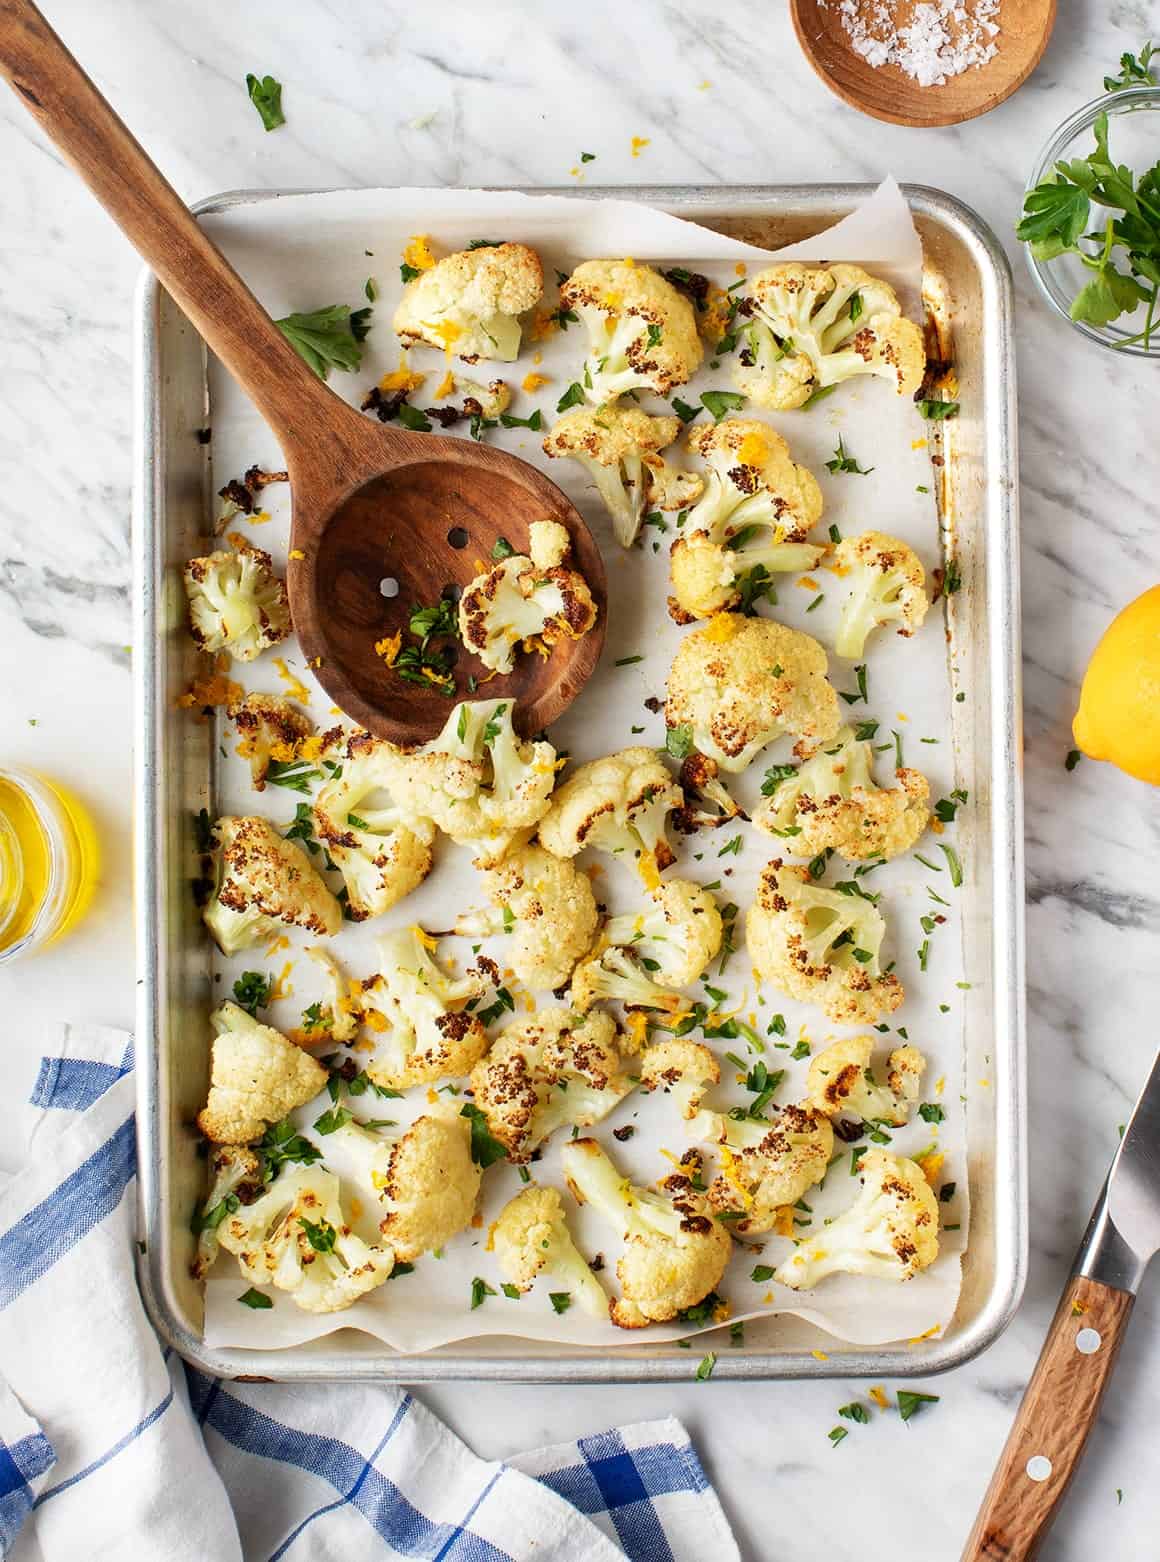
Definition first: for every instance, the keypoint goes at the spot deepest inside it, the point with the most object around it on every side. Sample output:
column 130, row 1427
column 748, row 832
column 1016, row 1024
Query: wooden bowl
column 888, row 93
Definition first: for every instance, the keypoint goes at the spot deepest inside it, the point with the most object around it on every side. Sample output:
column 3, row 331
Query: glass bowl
column 1134, row 139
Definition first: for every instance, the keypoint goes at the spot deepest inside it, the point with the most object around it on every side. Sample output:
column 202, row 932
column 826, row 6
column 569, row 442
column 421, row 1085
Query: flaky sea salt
column 931, row 41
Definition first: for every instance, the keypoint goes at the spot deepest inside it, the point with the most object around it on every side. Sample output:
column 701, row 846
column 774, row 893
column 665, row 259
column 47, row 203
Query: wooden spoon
column 887, row 92
column 376, row 510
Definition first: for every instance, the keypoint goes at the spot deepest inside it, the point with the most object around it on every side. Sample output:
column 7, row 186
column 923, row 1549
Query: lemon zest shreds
column 418, row 252
column 389, row 647
column 638, row 145
column 295, row 688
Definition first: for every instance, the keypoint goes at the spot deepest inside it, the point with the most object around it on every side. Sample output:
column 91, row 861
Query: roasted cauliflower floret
column 257, row 1076
column 890, row 1232
column 831, row 801
column 531, row 1238
column 620, row 446
column 840, row 1080
column 424, row 1180
column 612, row 974
column 617, row 804
column 297, row 1239
column 642, row 333
column 820, row 946
column 382, row 852
column 236, row 602
column 269, row 729
column 469, row 303
column 520, row 600
column 548, row 908
column 766, row 1165
column 676, row 937
column 234, row 1177
column 342, row 1013
column 738, row 683
column 687, row 1071
column 674, row 1251
column 549, row 1071
column 887, row 585
column 757, row 510
column 264, row 886
column 430, row 1035
column 477, row 781
column 813, row 326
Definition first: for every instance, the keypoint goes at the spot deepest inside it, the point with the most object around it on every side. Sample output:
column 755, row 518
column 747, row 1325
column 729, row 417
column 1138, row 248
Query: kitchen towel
column 111, row 1448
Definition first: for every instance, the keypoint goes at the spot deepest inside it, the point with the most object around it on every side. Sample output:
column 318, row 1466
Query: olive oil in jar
column 48, row 862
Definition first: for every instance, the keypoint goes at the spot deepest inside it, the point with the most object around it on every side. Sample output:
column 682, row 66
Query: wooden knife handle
column 159, row 225
column 1058, row 1411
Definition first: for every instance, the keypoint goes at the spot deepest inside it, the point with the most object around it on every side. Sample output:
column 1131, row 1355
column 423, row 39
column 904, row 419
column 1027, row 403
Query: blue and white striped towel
column 111, row 1449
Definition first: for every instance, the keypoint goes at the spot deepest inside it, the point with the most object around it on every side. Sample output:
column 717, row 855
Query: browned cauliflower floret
column 887, row 585
column 768, row 1164
column 236, row 602
column 738, row 683
column 820, row 946
column 890, row 1232
column 469, row 303
column 755, row 514
column 429, row 1035
column 840, row 1080
column 548, row 908
column 676, row 936
column 620, row 447
column 814, row 326
column 270, row 730
column 234, row 1176
column 477, row 781
column 257, row 1076
column 523, row 600
column 831, row 802
column 264, row 885
column 424, row 1180
column 642, row 333
column 685, row 1070
column 532, row 1238
column 297, row 1238
column 617, row 804
column 549, row 1071
column 382, row 852
column 707, row 799
column 674, row 1251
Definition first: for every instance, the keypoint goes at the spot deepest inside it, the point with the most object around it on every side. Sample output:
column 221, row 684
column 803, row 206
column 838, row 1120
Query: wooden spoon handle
column 160, row 226
column 1059, row 1409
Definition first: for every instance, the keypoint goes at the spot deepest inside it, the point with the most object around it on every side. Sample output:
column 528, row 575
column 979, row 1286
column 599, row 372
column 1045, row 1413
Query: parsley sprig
column 1056, row 215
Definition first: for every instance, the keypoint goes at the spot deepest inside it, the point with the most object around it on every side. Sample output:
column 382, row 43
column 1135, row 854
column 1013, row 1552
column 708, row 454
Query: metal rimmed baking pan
column 968, row 290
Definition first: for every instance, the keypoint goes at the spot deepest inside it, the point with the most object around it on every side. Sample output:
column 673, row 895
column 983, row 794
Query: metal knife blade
column 1124, row 1231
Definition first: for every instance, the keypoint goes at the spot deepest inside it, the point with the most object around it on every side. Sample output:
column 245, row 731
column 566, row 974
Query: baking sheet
column 304, row 251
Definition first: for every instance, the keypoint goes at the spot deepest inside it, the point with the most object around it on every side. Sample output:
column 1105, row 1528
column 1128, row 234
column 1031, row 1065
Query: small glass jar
column 49, row 862
column 1133, row 139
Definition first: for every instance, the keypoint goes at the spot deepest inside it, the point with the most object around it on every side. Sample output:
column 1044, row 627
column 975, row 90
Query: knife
column 1062, row 1400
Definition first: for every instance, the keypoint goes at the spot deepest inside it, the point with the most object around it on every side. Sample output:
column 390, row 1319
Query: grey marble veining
column 511, row 93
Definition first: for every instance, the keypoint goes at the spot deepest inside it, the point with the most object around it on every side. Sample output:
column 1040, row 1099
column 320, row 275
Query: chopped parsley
column 560, row 1300
column 294, row 774
column 266, row 96
column 684, row 411
column 705, row 1367
column 854, row 1412
column 718, row 403
column 572, row 397
column 322, row 1237
column 627, row 661
column 837, row 1434
column 252, row 991
column 954, row 865
column 843, row 461
column 329, row 338
column 938, row 411
column 931, row 1112
column 910, row 1404
column 761, row 1273
column 679, row 741
column 860, row 676
column 258, row 1300
column 1073, row 758
column 485, row 1150
column 479, row 1290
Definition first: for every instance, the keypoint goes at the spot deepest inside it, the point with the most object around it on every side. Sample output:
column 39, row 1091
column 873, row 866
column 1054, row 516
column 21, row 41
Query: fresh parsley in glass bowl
column 1091, row 220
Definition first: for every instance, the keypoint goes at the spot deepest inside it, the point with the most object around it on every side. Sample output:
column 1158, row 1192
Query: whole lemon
column 1119, row 705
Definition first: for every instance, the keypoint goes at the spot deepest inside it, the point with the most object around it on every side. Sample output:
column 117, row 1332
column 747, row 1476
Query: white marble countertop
column 510, row 93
